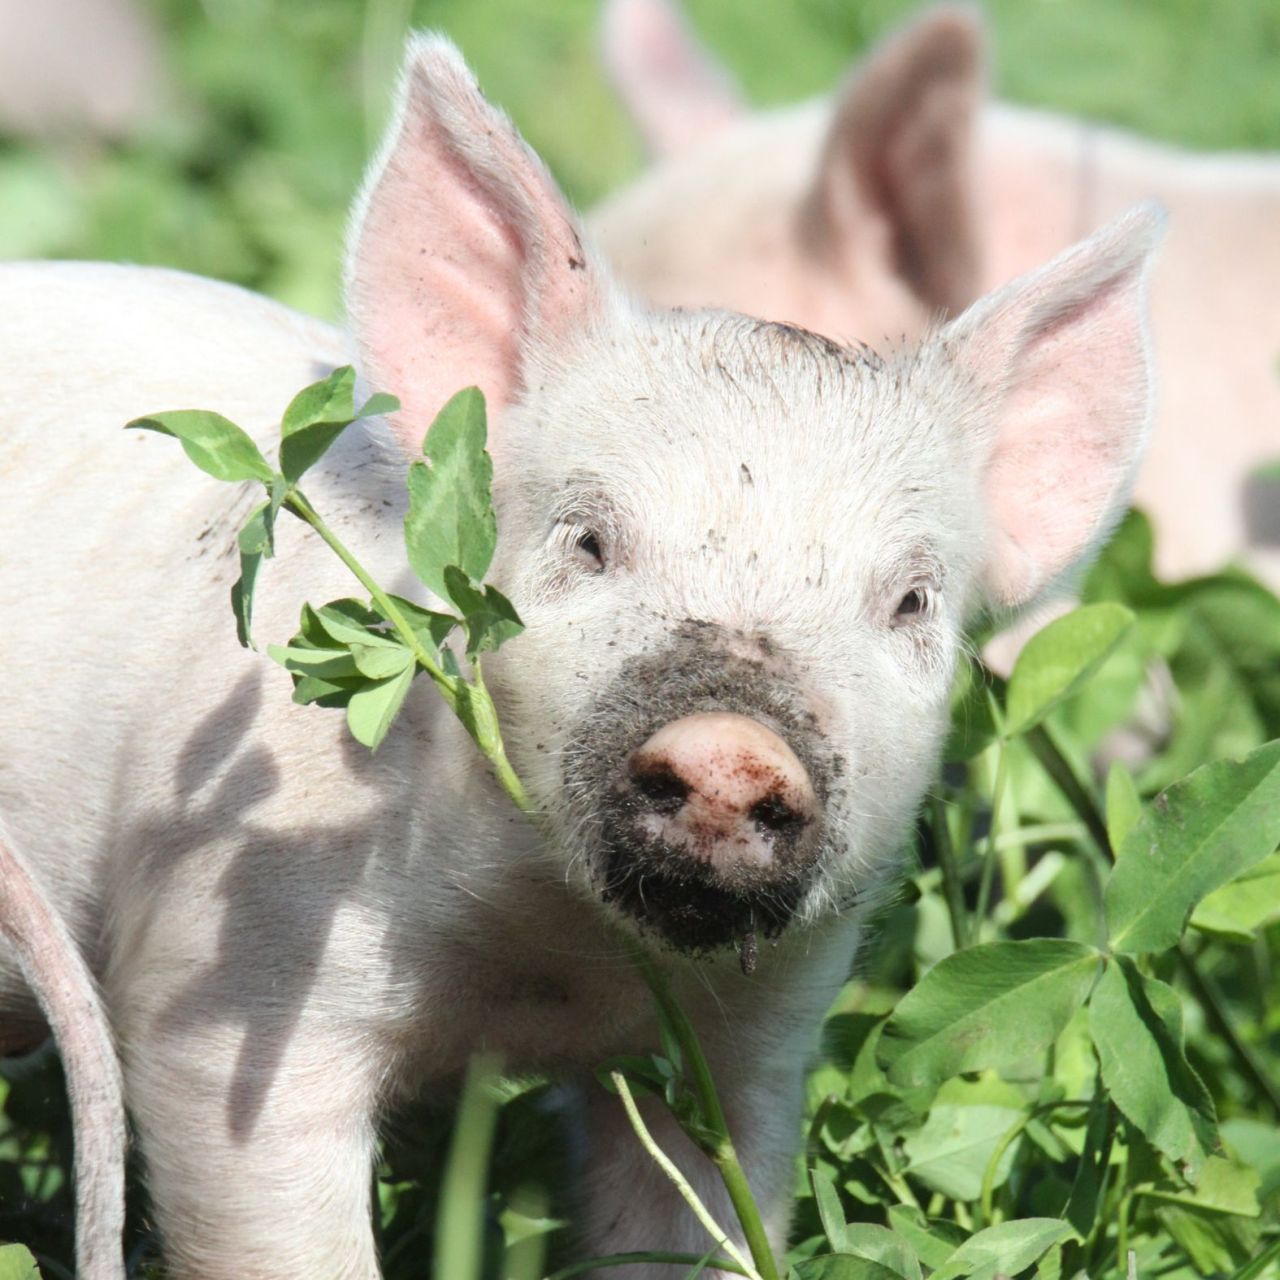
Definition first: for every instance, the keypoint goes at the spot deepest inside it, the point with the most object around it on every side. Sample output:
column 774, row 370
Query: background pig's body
column 77, row 68
column 724, row 221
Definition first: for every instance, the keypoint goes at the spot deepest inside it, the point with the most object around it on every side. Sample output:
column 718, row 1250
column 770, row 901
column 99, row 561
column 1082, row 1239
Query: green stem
column 1058, row 767
column 305, row 512
column 1010, row 1137
column 1215, row 1006
column 460, row 1230
column 668, row 1166
column 723, row 1153
column 492, row 746
column 495, row 749
column 952, row 881
column 989, row 860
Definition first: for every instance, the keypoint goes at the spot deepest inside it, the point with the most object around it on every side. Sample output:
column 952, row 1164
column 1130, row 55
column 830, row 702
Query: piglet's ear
column 897, row 168
column 463, row 254
column 675, row 91
column 1060, row 358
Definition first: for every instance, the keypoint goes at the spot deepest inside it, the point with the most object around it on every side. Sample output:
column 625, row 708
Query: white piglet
column 745, row 556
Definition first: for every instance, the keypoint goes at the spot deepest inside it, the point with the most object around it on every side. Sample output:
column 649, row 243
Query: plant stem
column 460, row 1233
column 1058, row 767
column 448, row 685
column 668, row 1166
column 301, row 508
column 989, row 860
column 1215, row 1006
column 952, row 886
column 723, row 1154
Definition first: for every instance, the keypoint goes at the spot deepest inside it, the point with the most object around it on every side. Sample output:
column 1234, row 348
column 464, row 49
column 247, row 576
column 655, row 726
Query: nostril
column 774, row 814
column 665, row 792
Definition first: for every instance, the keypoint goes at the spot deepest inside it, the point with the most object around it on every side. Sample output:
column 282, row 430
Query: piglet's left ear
column 1061, row 359
column 465, row 261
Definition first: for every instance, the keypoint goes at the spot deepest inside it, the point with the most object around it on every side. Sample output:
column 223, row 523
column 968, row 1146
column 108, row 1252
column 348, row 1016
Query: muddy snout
column 726, row 791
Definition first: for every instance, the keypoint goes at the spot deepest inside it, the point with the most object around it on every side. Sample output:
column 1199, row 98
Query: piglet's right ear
column 1060, row 359
column 463, row 255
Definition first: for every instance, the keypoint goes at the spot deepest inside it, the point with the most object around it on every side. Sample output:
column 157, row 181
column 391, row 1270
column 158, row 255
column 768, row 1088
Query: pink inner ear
column 466, row 252
column 1064, row 356
column 1060, row 476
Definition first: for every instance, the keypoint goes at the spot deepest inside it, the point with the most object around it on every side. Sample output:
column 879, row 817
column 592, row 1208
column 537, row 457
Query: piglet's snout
column 726, row 790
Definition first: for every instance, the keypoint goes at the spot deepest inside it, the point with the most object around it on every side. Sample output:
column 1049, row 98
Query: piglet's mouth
column 686, row 903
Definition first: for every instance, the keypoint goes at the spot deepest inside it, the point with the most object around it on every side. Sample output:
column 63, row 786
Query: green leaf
column 489, row 617
column 1202, row 832
column 988, row 1006
column 324, row 692
column 350, row 621
column 1124, row 804
column 318, row 415
column 373, row 708
column 1057, row 660
column 382, row 659
column 1007, row 1248
column 842, row 1266
column 450, row 519
column 1136, row 1024
column 215, row 444
column 1082, row 1206
column 1216, row 1243
column 327, row 664
column 879, row 1244
column 830, row 1210
column 951, row 1151
column 973, row 714
column 255, row 541
column 1238, row 910
column 17, row 1263
column 1224, row 1186
column 933, row 1240
column 431, row 628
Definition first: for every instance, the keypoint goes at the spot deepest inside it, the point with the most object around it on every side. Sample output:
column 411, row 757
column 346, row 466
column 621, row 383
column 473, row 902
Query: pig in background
column 908, row 194
column 73, row 69
column 727, row 538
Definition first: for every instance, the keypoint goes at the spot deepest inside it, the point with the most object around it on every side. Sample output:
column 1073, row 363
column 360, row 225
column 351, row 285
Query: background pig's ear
column 463, row 253
column 676, row 92
column 1061, row 359
column 896, row 168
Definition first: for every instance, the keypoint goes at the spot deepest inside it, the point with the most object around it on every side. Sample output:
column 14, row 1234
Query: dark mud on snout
column 665, row 890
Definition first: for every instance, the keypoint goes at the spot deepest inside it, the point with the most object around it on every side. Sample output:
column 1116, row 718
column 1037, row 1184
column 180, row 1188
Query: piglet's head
column 745, row 555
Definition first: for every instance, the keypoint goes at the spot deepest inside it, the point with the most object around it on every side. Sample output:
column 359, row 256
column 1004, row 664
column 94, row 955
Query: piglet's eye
column 914, row 602
column 587, row 549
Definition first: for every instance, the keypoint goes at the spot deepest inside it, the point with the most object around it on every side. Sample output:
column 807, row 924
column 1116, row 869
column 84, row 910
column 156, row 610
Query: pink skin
column 731, row 765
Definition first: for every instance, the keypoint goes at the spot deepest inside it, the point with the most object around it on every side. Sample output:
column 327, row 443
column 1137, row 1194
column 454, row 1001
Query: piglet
column 745, row 556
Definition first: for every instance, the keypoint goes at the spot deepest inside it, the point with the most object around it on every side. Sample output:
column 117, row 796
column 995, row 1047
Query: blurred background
column 227, row 137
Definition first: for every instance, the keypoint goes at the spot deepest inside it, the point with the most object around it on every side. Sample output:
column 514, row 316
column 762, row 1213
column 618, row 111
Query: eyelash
column 582, row 544
column 915, row 604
